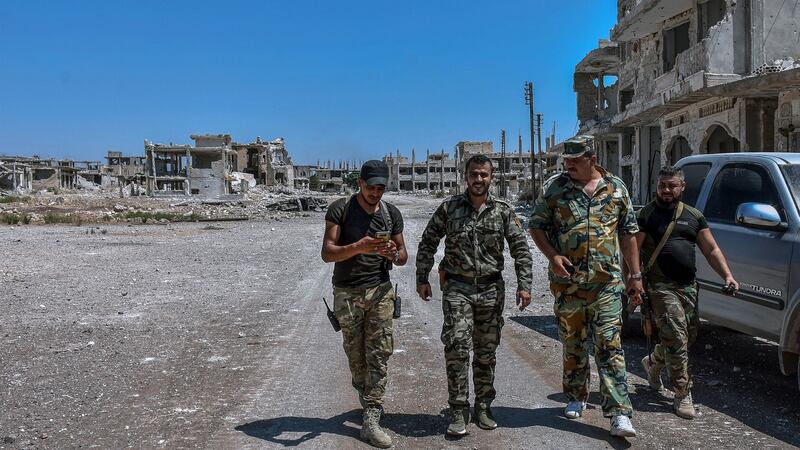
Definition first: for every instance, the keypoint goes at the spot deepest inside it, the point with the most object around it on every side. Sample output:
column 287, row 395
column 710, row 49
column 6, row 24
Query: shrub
column 54, row 217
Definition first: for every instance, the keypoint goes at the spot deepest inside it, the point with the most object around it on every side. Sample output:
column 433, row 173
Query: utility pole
column 413, row 169
column 529, row 102
column 441, row 173
column 541, row 155
column 503, row 163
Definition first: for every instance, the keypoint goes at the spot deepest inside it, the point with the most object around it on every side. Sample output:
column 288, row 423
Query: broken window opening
column 625, row 98
column 710, row 13
column 676, row 41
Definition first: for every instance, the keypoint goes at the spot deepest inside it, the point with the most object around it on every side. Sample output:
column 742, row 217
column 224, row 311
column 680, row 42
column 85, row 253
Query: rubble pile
column 100, row 206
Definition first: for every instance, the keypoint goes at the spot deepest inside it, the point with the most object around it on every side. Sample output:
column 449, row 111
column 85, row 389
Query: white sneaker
column 574, row 409
column 621, row 426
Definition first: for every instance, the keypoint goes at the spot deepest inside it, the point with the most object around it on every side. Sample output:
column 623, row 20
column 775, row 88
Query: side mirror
column 760, row 215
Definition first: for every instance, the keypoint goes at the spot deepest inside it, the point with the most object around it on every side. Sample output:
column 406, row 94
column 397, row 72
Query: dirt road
column 214, row 336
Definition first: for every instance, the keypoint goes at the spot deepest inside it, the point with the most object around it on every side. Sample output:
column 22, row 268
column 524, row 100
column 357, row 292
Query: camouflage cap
column 577, row 146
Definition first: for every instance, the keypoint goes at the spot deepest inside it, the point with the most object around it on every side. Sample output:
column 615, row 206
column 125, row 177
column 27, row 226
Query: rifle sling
column 665, row 238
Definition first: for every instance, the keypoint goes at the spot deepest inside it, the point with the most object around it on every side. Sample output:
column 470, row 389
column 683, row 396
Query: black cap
column 375, row 172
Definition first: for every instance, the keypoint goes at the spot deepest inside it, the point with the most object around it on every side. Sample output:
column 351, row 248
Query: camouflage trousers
column 677, row 319
column 366, row 319
column 586, row 317
column 473, row 318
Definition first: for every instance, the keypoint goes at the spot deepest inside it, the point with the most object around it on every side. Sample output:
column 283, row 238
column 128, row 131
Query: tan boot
column 653, row 371
column 684, row 406
column 484, row 417
column 371, row 431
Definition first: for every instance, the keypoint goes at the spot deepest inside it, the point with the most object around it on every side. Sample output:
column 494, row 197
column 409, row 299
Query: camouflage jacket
column 585, row 229
column 473, row 245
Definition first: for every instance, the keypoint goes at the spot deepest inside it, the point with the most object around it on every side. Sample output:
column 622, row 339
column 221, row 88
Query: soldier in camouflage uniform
column 671, row 283
column 576, row 223
column 363, row 296
column 474, row 225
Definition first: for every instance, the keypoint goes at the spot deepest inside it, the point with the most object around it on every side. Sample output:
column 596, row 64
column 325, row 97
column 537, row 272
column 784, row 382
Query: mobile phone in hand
column 383, row 235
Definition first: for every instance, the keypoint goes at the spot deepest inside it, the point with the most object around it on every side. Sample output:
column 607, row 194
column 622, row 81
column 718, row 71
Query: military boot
column 684, row 406
column 653, row 371
column 459, row 418
column 484, row 417
column 371, row 431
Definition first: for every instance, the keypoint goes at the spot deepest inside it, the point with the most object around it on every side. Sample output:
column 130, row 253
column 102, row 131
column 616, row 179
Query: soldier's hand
column 370, row 245
column 424, row 291
column 634, row 298
column 559, row 265
column 634, row 291
column 731, row 281
column 523, row 299
column 387, row 249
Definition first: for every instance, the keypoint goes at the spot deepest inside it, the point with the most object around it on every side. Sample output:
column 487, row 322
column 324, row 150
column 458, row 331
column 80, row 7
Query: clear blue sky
column 350, row 80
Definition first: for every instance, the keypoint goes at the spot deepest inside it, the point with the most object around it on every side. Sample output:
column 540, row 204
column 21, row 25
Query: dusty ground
column 214, row 336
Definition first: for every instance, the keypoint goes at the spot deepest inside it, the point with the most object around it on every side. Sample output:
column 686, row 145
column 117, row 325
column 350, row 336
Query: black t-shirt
column 361, row 271
column 676, row 262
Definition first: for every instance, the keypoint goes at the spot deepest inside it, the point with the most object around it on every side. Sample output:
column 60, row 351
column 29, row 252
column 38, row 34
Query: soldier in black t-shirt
column 364, row 237
column 671, row 282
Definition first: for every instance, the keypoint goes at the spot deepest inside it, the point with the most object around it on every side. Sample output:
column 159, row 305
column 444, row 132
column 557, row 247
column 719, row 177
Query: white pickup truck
column 751, row 202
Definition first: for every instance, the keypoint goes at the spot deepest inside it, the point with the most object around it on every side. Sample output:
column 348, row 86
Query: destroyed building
column 127, row 172
column 440, row 171
column 15, row 176
column 33, row 173
column 512, row 169
column 683, row 77
column 268, row 161
column 436, row 173
column 205, row 169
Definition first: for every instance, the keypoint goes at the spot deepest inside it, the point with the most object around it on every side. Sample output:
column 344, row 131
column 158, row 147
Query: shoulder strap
column 346, row 207
column 386, row 216
column 667, row 233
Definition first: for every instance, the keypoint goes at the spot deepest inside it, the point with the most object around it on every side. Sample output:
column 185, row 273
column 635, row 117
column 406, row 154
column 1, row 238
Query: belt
column 474, row 280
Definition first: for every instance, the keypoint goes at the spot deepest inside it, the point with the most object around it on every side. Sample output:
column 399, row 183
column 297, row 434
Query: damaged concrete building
column 512, row 169
column 127, row 172
column 440, row 171
column 205, row 169
column 33, row 173
column 436, row 173
column 268, row 161
column 682, row 77
column 15, row 176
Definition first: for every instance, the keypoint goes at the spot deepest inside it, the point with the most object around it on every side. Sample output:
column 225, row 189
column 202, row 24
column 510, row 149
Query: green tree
column 352, row 179
column 313, row 182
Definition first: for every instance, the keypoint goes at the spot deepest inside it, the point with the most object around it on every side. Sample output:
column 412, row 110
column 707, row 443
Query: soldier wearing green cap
column 579, row 223
column 363, row 296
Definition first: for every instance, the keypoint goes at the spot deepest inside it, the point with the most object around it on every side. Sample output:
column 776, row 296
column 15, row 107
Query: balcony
column 702, row 66
column 646, row 17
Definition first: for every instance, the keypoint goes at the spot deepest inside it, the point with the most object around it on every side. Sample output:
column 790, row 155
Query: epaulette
column 503, row 202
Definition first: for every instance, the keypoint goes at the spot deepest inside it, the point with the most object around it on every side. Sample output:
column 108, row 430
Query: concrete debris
column 103, row 206
column 779, row 65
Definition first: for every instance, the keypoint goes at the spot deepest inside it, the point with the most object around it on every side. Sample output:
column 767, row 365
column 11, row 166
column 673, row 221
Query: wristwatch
column 636, row 276
column 396, row 256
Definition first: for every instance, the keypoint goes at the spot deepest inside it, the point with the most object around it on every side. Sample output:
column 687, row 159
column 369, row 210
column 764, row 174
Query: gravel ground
column 214, row 336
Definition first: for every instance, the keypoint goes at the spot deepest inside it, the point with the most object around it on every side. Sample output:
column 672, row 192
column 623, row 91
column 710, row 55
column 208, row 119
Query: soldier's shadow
column 291, row 431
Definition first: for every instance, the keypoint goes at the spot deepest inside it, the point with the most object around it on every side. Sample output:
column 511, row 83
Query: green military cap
column 577, row 146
